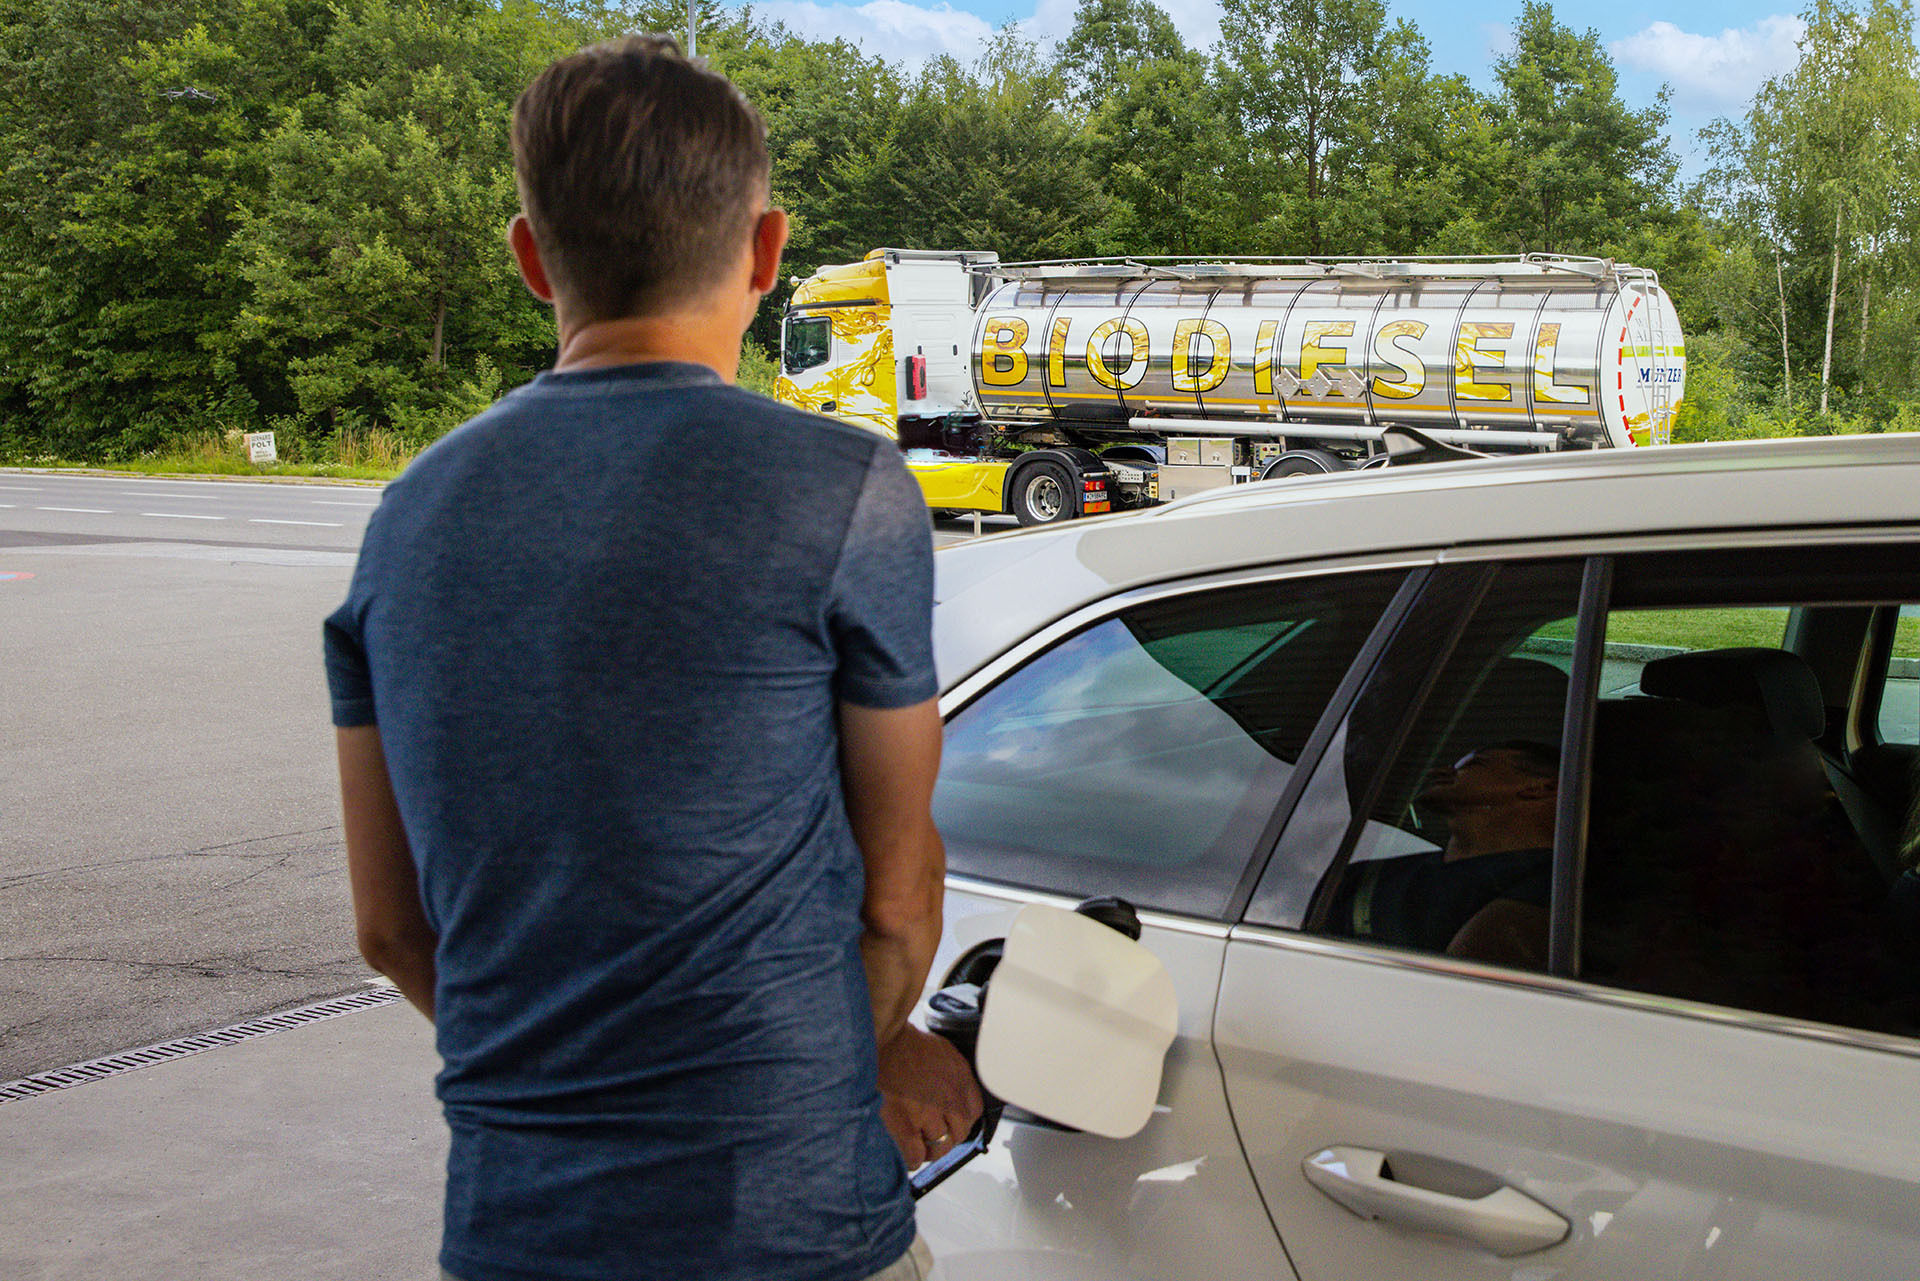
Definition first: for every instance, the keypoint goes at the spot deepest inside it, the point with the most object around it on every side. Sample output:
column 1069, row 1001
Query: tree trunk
column 1313, row 184
column 1833, row 301
column 437, row 358
column 1866, row 300
column 1786, row 365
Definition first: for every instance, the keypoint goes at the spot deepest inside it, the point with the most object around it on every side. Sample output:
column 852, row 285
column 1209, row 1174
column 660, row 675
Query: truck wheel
column 1303, row 462
column 1044, row 494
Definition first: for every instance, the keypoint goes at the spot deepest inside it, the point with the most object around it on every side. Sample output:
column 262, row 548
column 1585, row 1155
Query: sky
column 1713, row 54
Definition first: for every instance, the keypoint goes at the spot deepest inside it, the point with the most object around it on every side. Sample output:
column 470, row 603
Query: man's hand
column 929, row 1097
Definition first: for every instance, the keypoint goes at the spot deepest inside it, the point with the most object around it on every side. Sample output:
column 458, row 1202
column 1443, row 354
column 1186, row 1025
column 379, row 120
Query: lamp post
column 691, row 33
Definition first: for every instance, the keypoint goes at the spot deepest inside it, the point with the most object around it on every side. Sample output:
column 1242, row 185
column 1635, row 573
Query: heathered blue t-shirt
column 602, row 629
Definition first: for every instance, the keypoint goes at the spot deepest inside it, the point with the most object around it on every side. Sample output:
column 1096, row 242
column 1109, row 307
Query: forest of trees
column 227, row 215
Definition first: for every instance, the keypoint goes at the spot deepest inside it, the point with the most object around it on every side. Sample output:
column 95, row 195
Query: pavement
column 308, row 1154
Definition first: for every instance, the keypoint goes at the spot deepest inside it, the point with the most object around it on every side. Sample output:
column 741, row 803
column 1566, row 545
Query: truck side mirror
column 1077, row 1023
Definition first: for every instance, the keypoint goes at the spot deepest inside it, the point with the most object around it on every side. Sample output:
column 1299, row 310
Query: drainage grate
column 146, row 1056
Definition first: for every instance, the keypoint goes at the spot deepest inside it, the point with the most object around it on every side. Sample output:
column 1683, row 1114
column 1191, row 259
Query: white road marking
column 21, row 489
column 324, row 524
column 8, row 506
column 180, row 516
column 329, row 502
column 91, row 511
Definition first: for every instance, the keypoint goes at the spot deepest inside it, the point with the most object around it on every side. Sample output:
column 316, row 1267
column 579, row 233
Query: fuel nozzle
column 954, row 1012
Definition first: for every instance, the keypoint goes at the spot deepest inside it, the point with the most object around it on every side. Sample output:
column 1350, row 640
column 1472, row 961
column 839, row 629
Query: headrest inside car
column 1778, row 684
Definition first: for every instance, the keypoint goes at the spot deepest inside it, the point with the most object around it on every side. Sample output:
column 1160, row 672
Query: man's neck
column 694, row 337
column 1469, row 838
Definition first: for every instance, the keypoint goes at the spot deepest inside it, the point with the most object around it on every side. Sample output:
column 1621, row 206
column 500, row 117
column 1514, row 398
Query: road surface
column 170, row 854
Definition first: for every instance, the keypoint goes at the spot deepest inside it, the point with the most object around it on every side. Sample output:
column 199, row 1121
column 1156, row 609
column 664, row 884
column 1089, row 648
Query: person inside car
column 1485, row 894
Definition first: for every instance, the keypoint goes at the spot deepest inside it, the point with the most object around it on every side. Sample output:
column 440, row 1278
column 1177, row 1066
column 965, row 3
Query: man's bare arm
column 889, row 760
column 391, row 929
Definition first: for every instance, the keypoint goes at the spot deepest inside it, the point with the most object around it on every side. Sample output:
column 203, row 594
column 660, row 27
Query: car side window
column 1732, row 854
column 1454, row 850
column 1144, row 755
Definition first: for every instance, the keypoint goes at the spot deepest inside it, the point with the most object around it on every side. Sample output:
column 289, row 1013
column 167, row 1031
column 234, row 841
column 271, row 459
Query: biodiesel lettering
column 1134, row 367
column 1469, row 355
column 1263, row 357
column 1003, row 351
column 1057, row 352
column 1315, row 351
column 1545, row 389
column 1184, row 332
column 1388, row 350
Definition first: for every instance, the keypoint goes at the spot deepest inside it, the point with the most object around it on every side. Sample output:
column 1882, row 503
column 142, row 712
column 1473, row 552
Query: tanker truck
column 1058, row 389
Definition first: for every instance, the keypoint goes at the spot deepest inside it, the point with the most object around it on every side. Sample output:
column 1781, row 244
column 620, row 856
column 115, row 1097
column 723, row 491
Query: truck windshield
column 806, row 342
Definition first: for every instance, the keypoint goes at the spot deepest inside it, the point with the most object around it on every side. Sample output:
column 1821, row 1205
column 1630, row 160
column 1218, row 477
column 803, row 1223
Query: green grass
column 1714, row 628
column 374, row 455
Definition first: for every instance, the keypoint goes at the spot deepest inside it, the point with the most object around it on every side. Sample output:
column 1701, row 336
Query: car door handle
column 1468, row 1204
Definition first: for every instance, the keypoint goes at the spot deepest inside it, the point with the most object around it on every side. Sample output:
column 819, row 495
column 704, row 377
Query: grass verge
column 375, row 455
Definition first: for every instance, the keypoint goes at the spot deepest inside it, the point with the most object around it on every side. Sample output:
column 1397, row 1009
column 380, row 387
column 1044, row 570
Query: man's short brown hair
column 642, row 173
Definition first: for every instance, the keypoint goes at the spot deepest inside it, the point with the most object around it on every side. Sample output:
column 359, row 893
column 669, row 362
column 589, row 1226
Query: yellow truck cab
column 883, row 343
column 1058, row 389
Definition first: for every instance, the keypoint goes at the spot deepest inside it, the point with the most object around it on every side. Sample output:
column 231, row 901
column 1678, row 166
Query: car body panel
column 1678, row 1140
column 1174, row 1200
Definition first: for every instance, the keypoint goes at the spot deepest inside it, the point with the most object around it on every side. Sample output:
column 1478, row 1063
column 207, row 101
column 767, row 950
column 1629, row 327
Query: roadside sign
column 260, row 447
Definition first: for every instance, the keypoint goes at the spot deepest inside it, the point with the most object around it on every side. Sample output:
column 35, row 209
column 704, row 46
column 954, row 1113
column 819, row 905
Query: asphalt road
column 170, row 852
column 169, row 837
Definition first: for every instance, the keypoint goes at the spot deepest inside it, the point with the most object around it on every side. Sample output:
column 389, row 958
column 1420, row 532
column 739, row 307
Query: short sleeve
column 349, row 682
column 343, row 638
column 881, row 610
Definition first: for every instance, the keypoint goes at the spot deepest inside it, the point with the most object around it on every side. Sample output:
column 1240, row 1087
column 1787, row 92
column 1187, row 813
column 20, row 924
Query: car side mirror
column 1077, row 1023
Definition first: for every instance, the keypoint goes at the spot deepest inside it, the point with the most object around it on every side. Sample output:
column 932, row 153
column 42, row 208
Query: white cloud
column 1496, row 41
column 1714, row 71
column 913, row 33
column 890, row 29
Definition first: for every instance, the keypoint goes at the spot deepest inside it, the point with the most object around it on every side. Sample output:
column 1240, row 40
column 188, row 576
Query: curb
column 185, row 475
column 1612, row 649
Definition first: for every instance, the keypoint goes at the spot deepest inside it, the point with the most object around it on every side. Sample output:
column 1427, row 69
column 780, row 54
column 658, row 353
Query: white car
column 1674, row 1032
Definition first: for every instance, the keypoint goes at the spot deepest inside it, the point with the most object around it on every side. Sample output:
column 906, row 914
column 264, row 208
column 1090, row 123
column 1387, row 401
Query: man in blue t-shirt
column 637, row 741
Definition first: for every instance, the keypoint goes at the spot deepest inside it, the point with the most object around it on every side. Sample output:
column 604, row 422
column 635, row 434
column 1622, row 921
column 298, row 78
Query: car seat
column 1784, row 690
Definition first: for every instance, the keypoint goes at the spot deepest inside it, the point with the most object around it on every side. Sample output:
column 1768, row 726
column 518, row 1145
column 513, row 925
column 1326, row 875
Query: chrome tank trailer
column 1515, row 351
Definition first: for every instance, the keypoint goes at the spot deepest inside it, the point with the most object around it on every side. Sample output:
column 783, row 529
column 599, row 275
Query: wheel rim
column 1045, row 498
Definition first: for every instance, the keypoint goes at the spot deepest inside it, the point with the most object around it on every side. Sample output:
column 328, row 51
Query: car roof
column 992, row 592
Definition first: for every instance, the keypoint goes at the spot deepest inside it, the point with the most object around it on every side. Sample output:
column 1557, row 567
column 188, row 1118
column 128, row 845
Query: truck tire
column 1043, row 494
column 1303, row 462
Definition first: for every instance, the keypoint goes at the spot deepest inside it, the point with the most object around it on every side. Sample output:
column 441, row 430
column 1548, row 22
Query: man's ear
column 769, row 240
column 526, row 252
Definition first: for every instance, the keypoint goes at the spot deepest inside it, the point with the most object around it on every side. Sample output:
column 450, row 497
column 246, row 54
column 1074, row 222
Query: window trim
column 1576, row 768
column 1870, row 683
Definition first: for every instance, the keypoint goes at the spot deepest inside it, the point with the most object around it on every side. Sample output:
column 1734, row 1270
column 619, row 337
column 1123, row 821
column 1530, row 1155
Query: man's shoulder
column 817, row 428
